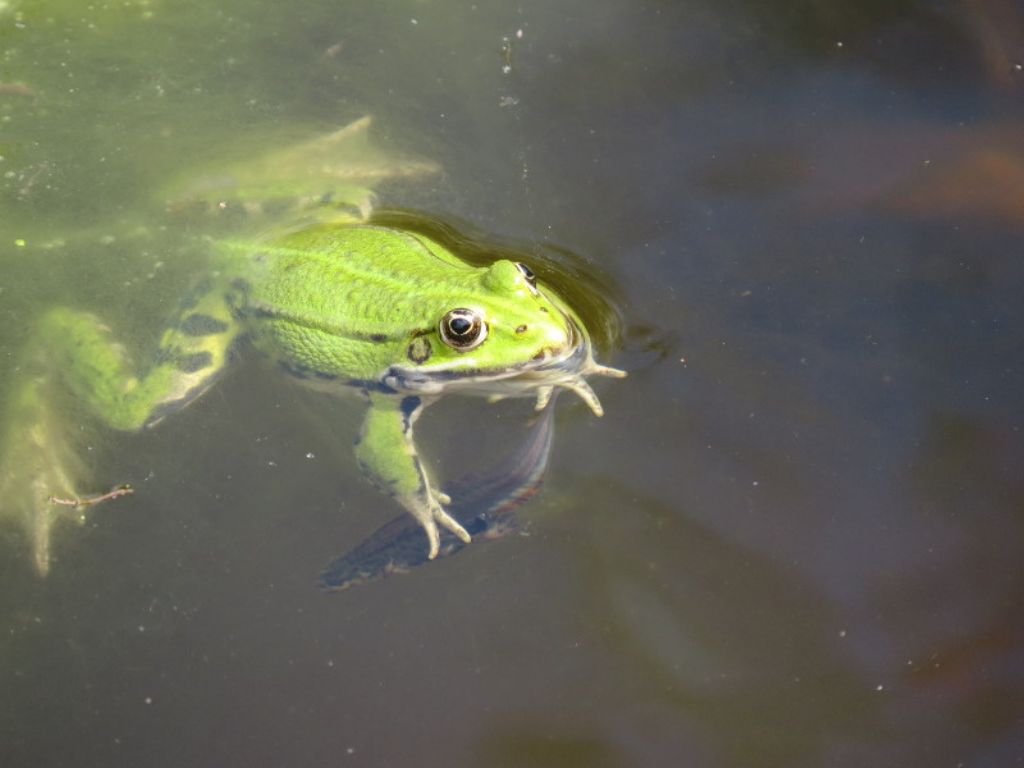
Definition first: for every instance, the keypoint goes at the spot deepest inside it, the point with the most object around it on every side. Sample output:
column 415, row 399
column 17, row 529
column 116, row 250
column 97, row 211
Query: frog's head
column 505, row 336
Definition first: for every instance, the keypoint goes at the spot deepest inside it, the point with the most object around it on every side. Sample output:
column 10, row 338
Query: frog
column 333, row 300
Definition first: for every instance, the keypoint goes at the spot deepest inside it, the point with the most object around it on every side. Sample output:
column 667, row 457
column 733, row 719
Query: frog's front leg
column 387, row 454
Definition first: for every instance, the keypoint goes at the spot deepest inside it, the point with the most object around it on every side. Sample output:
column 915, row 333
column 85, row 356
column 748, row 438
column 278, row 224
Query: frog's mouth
column 539, row 377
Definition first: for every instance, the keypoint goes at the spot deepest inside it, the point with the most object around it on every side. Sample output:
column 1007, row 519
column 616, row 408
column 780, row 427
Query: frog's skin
column 340, row 304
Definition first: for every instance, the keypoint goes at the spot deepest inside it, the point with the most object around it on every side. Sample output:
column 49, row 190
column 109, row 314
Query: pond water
column 794, row 539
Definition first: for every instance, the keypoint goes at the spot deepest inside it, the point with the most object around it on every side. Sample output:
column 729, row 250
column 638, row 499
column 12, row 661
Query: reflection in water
column 979, row 176
column 956, row 614
column 914, row 169
column 510, row 747
column 725, row 636
column 995, row 26
column 793, row 540
column 484, row 503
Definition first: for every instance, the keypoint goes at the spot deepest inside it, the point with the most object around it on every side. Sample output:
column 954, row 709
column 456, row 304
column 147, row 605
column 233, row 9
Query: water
column 794, row 539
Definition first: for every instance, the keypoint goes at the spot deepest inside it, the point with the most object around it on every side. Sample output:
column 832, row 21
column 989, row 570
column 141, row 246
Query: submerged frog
column 339, row 303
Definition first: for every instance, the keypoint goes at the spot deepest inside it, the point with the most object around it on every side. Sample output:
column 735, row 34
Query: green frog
column 337, row 302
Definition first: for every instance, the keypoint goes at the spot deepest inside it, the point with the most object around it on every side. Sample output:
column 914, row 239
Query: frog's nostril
column 521, row 329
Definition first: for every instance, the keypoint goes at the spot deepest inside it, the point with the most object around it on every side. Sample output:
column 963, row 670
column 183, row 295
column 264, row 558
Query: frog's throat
column 535, row 378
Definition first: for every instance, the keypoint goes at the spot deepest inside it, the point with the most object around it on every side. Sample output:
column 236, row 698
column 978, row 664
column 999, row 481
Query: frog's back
column 336, row 301
column 367, row 280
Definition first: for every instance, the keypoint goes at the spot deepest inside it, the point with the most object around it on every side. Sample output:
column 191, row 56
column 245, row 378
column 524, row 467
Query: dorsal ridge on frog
column 340, row 304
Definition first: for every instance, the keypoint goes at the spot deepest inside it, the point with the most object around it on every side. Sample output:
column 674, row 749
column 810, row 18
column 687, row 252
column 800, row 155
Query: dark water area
column 796, row 538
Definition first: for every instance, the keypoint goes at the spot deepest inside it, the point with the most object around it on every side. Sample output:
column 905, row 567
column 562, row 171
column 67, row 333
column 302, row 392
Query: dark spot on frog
column 292, row 370
column 305, row 372
column 543, row 309
column 378, row 338
column 409, row 406
column 194, row 362
column 235, row 305
column 420, row 350
column 199, row 290
column 521, row 329
column 202, row 325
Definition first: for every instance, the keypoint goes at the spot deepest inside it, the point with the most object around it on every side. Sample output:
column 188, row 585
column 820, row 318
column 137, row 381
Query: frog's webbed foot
column 40, row 468
column 576, row 381
column 485, row 504
column 430, row 514
column 329, row 178
column 348, row 153
column 387, row 454
column 25, row 497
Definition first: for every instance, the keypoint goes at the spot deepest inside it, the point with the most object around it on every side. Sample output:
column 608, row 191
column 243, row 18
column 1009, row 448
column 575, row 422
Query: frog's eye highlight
column 463, row 329
column 528, row 275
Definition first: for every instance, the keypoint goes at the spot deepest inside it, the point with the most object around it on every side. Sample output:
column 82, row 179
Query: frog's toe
column 441, row 519
column 453, row 525
column 433, row 539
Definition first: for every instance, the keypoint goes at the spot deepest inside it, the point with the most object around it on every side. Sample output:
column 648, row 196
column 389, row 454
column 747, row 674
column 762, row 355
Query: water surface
column 794, row 539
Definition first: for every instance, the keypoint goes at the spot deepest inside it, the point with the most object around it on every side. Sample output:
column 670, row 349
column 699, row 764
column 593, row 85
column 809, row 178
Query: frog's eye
column 531, row 279
column 463, row 329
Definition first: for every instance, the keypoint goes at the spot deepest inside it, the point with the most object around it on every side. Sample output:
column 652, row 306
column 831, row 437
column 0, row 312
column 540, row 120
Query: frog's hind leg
column 98, row 372
column 74, row 372
column 195, row 349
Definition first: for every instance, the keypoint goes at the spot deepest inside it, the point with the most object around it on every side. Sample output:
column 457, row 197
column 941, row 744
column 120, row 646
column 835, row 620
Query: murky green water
column 794, row 539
